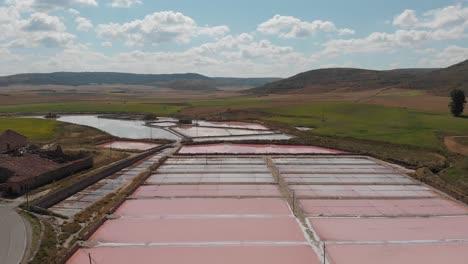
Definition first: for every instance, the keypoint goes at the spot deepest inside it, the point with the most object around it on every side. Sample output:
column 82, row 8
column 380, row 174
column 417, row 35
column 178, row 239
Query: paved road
column 13, row 236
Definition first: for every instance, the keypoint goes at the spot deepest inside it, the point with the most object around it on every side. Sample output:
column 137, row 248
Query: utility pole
column 294, row 202
column 27, row 196
column 324, row 253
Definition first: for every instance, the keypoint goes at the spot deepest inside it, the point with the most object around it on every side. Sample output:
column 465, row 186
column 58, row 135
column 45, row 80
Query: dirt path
column 454, row 146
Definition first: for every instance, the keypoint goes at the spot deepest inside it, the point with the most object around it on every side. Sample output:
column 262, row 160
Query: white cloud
column 125, row 3
column 54, row 4
column 106, row 44
column 48, row 5
column 20, row 5
column 291, row 27
column 244, row 47
column 222, row 45
column 406, row 19
column 4, row 52
column 449, row 23
column 450, row 16
column 31, row 23
column 239, row 55
column 43, row 22
column 262, row 49
column 377, row 41
column 446, row 17
column 37, row 30
column 83, row 24
column 73, row 11
column 346, row 31
column 10, row 22
column 426, row 51
column 454, row 53
column 158, row 28
column 450, row 55
column 44, row 39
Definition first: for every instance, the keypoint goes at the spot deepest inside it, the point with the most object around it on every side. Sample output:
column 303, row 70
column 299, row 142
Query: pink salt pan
column 232, row 124
column 456, row 253
column 353, row 191
column 191, row 206
column 408, row 207
column 390, row 229
column 206, row 190
column 188, row 230
column 254, row 149
column 197, row 255
column 129, row 145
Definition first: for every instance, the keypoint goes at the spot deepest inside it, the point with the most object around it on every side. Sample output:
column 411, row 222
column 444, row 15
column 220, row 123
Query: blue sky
column 229, row 38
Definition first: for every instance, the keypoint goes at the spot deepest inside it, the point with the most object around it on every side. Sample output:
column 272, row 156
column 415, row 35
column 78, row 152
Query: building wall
column 18, row 188
column 56, row 197
column 5, row 174
column 10, row 140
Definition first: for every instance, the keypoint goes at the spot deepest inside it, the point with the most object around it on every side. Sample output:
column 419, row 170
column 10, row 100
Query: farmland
column 115, row 107
column 338, row 117
column 380, row 123
column 35, row 129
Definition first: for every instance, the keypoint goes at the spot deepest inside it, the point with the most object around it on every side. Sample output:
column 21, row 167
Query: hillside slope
column 438, row 81
column 442, row 81
column 323, row 80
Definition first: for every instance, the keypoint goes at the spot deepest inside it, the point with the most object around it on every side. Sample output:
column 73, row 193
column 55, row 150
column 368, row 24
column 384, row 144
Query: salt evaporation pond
column 120, row 128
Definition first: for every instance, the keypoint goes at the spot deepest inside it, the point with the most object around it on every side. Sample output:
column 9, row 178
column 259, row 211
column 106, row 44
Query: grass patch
column 35, row 228
column 457, row 175
column 404, row 94
column 34, row 129
column 380, row 123
column 48, row 248
column 244, row 101
column 115, row 107
column 462, row 140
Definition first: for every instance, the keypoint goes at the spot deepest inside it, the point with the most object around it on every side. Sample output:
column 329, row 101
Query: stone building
column 11, row 140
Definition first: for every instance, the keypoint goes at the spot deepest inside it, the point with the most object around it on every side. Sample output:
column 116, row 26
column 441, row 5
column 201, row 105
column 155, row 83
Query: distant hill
column 442, row 81
column 322, row 80
column 253, row 82
column 186, row 81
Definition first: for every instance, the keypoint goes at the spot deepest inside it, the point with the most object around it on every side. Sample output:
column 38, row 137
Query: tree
column 458, row 102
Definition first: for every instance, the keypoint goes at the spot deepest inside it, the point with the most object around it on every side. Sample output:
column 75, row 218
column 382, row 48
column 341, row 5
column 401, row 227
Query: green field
column 404, row 94
column 34, row 129
column 159, row 109
column 380, row 123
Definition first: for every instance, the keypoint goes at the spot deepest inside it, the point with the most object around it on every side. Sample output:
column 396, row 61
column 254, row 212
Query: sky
column 261, row 38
